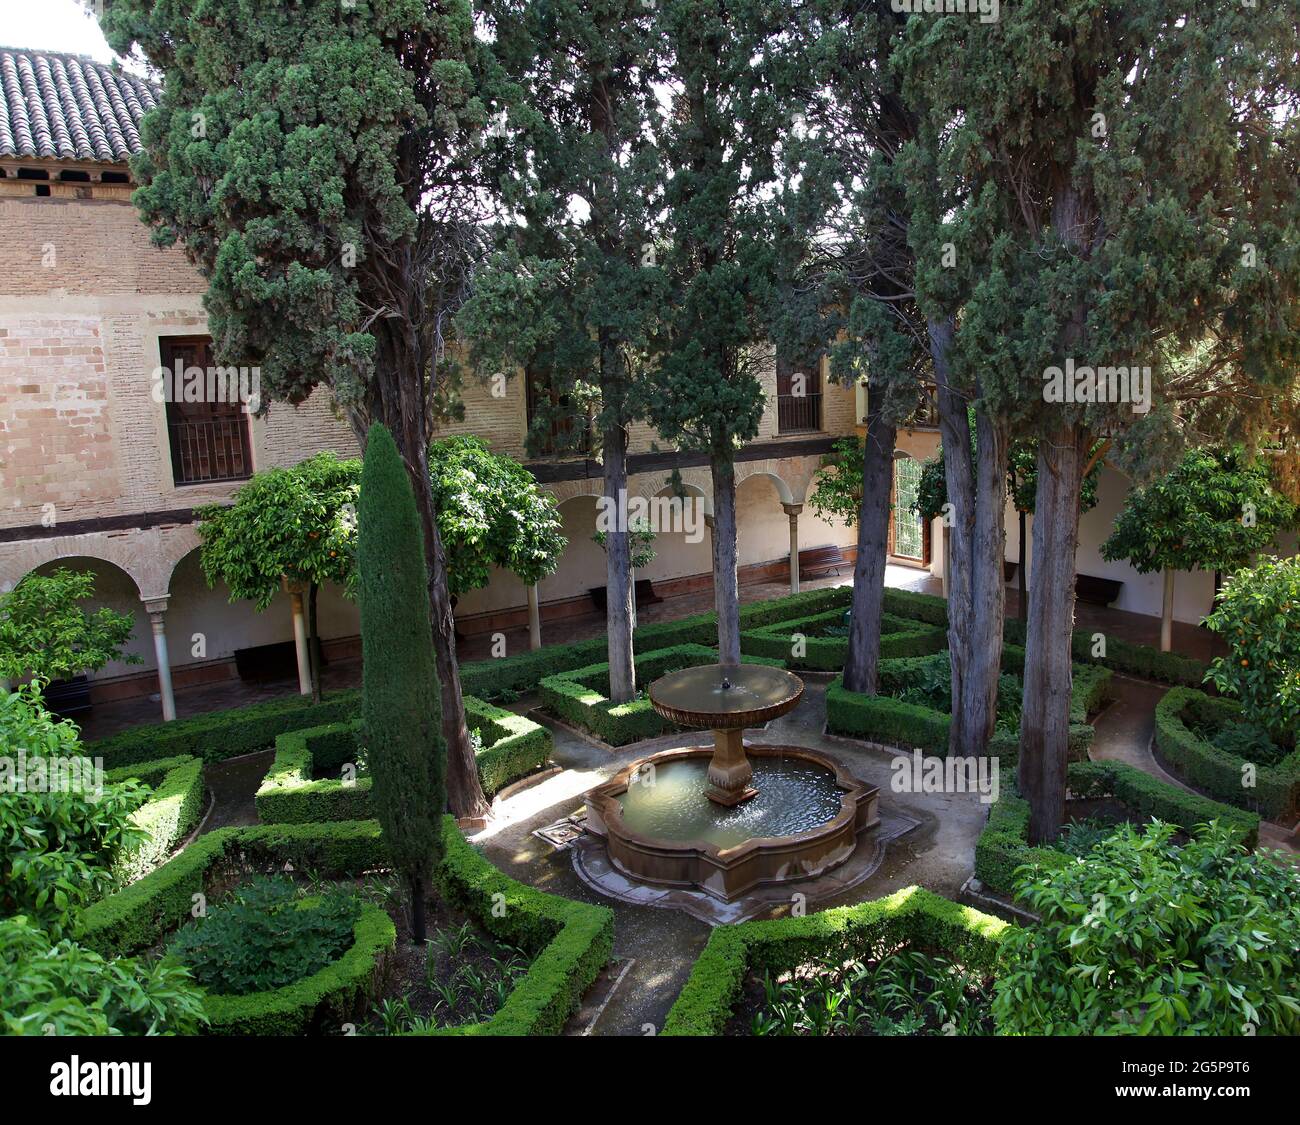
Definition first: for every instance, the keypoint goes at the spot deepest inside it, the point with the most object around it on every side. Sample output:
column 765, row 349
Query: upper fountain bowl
column 723, row 696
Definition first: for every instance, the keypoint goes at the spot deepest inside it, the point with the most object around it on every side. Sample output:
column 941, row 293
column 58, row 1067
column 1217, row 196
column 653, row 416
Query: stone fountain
column 728, row 818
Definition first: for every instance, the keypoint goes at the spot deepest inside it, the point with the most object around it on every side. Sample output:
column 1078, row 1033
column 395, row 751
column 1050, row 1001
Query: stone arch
column 747, row 470
column 17, row 560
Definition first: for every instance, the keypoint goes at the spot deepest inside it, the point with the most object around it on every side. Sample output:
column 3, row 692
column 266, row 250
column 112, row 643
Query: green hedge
column 885, row 719
column 1003, row 845
column 170, row 813
column 579, row 697
column 899, row 637
column 219, row 735
column 910, row 916
column 513, row 747
column 570, row 941
column 137, row 916
column 1276, row 793
column 323, row 1001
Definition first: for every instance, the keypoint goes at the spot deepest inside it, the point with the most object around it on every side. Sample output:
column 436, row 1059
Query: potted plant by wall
column 46, row 636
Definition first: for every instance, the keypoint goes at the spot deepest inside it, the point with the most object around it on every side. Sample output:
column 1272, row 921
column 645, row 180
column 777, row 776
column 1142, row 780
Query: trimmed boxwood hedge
column 1198, row 762
column 323, row 1001
column 1004, row 844
column 579, row 697
column 169, row 815
column 570, row 941
column 137, row 916
column 513, row 747
column 912, row 915
column 886, row 719
column 899, row 637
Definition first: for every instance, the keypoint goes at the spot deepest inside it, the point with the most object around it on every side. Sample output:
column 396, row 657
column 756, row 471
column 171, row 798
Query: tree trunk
column 1167, row 613
column 419, row 926
column 1045, row 725
column 726, row 591
column 313, row 642
column 618, row 570
column 976, row 553
column 862, row 665
column 1022, row 567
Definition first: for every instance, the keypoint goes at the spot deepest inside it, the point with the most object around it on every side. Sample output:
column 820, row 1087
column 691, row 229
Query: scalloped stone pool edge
column 728, row 873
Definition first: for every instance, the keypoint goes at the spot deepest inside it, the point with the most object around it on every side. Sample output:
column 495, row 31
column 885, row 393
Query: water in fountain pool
column 793, row 796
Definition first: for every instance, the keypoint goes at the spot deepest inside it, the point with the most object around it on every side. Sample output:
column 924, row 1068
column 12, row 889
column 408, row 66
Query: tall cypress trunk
column 618, row 570
column 1045, row 724
column 419, row 926
column 976, row 550
column 862, row 665
column 726, row 592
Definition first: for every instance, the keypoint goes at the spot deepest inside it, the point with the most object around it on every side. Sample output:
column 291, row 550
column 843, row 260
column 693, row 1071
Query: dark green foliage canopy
column 1214, row 511
column 400, row 705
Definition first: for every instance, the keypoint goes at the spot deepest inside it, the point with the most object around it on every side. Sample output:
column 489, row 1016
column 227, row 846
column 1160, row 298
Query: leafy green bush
column 266, row 935
column 65, row 989
column 170, row 812
column 904, row 992
column 1255, row 615
column 1149, row 938
column 1003, row 845
column 59, row 837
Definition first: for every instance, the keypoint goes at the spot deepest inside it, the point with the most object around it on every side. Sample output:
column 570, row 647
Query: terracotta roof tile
column 69, row 107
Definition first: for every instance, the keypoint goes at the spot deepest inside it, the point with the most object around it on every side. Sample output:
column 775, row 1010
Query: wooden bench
column 643, row 591
column 268, row 663
column 818, row 561
column 1096, row 591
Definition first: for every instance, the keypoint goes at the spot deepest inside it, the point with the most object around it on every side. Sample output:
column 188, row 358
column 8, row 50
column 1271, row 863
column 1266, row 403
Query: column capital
column 792, row 510
column 156, row 604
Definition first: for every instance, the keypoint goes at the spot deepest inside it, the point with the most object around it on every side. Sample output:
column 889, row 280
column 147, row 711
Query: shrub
column 1255, row 615
column 65, row 989
column 59, row 837
column 1003, row 845
column 264, row 936
column 1181, row 717
column 912, row 915
column 821, row 653
column 1148, row 938
column 170, row 812
column 897, row 717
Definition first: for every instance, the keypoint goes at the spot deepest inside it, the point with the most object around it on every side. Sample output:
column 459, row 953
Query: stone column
column 534, row 619
column 793, row 510
column 156, row 607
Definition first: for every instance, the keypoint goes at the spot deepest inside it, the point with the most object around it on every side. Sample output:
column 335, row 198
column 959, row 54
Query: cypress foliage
column 400, row 714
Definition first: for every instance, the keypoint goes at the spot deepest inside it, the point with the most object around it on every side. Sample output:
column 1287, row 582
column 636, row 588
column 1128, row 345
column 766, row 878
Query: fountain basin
column 738, row 858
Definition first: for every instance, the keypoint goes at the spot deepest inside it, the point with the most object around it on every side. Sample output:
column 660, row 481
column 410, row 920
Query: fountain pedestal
column 729, row 770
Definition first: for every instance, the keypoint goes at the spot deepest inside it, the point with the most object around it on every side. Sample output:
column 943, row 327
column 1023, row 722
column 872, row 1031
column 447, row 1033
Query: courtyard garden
column 924, row 798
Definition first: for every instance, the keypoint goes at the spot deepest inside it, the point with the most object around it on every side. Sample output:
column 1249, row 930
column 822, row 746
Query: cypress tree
column 400, row 714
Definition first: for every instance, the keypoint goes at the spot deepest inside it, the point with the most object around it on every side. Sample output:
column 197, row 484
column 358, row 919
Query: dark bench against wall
column 818, row 561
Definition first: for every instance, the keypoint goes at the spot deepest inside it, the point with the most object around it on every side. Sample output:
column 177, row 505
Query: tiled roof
column 69, row 107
